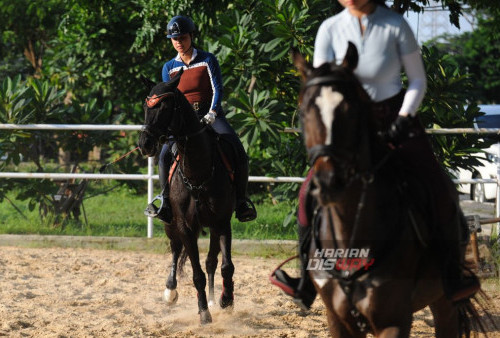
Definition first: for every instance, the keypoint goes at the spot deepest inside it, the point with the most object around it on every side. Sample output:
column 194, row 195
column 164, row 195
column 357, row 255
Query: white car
column 481, row 192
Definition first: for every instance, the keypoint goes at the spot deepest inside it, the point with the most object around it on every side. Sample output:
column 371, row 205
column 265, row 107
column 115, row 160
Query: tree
column 478, row 52
column 27, row 27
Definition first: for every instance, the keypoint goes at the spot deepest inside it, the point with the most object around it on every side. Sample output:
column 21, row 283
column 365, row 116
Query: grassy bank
column 120, row 213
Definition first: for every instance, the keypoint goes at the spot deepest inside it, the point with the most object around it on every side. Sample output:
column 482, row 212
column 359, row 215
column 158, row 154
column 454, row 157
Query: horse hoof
column 211, row 303
column 205, row 317
column 170, row 296
column 226, row 303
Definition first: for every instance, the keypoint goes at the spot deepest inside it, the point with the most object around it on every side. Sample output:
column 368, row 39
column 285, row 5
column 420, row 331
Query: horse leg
column 200, row 282
column 334, row 303
column 211, row 264
column 337, row 327
column 227, row 268
column 445, row 318
column 170, row 294
column 393, row 325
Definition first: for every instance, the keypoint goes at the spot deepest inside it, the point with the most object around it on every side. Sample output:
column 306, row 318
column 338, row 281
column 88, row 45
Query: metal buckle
column 196, row 106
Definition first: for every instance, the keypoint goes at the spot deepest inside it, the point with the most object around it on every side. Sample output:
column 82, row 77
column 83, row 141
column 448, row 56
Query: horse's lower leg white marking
column 327, row 101
column 170, row 296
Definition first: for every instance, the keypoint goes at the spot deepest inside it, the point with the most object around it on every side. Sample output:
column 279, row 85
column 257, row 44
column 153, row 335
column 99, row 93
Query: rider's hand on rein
column 399, row 131
column 209, row 118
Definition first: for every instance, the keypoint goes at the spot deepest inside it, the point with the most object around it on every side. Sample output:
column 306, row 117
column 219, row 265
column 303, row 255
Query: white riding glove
column 210, row 117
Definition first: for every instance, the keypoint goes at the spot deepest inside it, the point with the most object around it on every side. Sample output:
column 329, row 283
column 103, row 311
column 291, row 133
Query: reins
column 101, row 170
column 367, row 179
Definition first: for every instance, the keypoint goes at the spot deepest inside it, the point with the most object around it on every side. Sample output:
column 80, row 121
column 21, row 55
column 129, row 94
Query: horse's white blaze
column 170, row 296
column 327, row 101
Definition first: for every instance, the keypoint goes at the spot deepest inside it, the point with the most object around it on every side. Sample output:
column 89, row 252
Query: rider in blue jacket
column 201, row 84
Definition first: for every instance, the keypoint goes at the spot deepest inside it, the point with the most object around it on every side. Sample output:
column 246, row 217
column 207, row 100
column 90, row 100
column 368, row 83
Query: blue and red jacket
column 201, row 81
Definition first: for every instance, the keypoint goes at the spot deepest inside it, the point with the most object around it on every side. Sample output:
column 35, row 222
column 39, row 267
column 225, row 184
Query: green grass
column 120, row 213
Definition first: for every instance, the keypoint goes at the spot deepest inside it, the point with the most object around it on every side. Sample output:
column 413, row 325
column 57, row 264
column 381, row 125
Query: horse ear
column 301, row 64
column 147, row 82
column 176, row 79
column 351, row 57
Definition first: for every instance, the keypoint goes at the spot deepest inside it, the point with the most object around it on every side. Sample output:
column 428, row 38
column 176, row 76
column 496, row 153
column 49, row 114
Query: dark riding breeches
column 223, row 128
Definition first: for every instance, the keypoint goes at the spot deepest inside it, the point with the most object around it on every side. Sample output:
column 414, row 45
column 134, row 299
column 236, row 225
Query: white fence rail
column 150, row 176
column 95, row 127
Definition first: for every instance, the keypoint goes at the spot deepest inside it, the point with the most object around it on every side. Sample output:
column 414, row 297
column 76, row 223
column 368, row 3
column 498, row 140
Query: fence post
column 150, row 193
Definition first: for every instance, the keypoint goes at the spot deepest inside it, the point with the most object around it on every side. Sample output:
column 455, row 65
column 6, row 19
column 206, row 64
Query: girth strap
column 226, row 163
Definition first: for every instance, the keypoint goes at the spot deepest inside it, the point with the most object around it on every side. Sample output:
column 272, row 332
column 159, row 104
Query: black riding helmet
column 179, row 25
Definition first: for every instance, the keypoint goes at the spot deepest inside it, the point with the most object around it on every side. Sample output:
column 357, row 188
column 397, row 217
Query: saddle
column 225, row 151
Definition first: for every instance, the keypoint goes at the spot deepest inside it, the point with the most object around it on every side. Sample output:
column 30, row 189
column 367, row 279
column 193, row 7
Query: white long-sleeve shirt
column 386, row 46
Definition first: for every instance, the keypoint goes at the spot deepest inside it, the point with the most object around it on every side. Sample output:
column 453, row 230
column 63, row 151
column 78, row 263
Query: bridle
column 347, row 160
column 341, row 157
column 153, row 101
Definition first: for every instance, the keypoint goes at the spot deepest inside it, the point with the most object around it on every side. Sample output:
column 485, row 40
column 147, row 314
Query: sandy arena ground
column 59, row 292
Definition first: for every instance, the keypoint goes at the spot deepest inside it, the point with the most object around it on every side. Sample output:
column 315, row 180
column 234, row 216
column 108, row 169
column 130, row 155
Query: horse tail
column 184, row 255
column 182, row 261
column 473, row 314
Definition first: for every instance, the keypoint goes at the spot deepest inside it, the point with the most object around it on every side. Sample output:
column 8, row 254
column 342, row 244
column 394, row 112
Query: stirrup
column 249, row 213
column 281, row 279
column 290, row 286
column 151, row 209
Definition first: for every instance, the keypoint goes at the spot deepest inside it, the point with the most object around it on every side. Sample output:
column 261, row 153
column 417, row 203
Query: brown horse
column 371, row 257
column 201, row 191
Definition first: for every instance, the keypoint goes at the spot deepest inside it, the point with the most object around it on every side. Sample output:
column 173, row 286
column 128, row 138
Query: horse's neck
column 355, row 218
column 196, row 154
column 343, row 216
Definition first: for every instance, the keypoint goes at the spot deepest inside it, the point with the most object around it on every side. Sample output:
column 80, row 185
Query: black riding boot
column 245, row 210
column 301, row 289
column 163, row 211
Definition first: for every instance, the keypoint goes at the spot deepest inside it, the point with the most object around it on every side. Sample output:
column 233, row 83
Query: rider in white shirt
column 386, row 45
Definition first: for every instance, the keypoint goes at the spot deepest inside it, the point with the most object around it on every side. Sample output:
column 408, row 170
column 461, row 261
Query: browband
column 324, row 80
column 152, row 101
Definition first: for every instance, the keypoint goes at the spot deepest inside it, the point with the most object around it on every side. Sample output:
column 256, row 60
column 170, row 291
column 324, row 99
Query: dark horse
column 391, row 269
column 201, row 191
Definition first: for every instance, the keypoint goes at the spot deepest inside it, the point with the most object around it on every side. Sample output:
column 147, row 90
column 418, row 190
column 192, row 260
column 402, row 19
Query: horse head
column 164, row 108
column 334, row 112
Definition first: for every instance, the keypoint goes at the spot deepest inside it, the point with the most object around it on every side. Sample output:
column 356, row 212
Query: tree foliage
column 477, row 52
column 79, row 61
